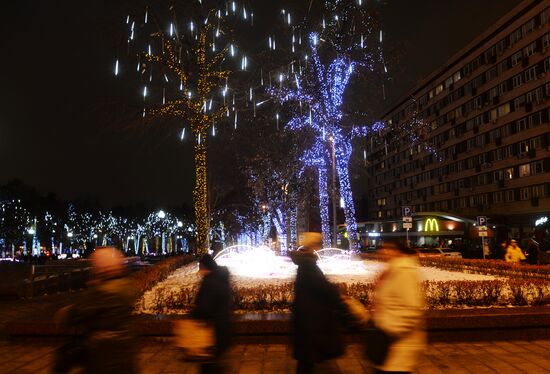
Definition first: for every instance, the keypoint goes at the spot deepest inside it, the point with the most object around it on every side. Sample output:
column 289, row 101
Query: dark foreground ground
column 160, row 356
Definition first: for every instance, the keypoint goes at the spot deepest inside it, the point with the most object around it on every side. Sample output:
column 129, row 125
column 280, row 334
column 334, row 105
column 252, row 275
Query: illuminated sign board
column 431, row 225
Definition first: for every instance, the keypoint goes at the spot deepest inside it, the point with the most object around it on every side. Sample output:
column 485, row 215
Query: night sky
column 62, row 125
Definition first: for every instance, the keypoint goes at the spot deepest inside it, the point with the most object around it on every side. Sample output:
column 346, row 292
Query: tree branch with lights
column 193, row 72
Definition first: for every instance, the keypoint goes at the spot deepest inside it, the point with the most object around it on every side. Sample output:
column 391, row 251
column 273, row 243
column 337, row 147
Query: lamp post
column 161, row 214
column 334, row 225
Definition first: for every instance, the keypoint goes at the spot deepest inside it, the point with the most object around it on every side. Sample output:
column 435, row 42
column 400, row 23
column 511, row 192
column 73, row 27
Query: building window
column 519, row 102
column 531, row 73
column 525, row 170
column 521, row 124
column 439, row 89
column 517, row 80
column 525, row 193
column 498, row 197
column 545, row 16
column 456, row 76
column 547, row 64
column 516, row 35
column 504, row 109
column 540, row 191
column 530, row 49
column 381, row 202
column 524, row 146
column 535, row 143
column 537, row 167
column 502, row 66
column 535, row 119
column 510, row 196
column 546, row 41
column 509, row 172
column 516, row 58
column 528, row 27
column 535, row 96
column 379, row 214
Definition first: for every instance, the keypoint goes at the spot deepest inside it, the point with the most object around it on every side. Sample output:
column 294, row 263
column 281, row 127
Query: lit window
column 503, row 109
column 456, row 76
column 525, row 170
column 509, row 173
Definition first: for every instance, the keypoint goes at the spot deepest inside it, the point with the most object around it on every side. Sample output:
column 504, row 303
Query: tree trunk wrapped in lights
column 193, row 72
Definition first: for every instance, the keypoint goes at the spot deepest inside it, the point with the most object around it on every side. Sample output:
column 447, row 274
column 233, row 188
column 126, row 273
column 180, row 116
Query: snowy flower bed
column 444, row 289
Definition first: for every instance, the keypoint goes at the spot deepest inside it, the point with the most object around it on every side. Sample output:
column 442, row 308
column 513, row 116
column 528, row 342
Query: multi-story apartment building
column 486, row 116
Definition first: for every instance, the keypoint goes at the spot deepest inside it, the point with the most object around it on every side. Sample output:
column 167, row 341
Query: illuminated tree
column 192, row 70
column 326, row 53
column 14, row 223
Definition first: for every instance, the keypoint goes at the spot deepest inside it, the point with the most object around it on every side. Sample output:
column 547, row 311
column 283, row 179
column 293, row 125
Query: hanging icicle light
column 116, row 68
column 144, row 92
column 182, row 135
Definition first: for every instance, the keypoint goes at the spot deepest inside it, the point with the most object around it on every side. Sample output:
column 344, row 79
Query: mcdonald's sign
column 431, row 225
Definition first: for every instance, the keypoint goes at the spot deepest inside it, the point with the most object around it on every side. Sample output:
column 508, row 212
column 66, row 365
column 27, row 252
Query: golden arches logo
column 431, row 225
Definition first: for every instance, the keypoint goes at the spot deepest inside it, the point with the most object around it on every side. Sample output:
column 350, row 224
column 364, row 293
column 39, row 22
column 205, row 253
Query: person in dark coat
column 214, row 305
column 108, row 345
column 317, row 310
column 532, row 252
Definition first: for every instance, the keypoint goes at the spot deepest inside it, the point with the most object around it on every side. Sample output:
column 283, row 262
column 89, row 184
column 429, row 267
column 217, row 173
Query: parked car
column 438, row 252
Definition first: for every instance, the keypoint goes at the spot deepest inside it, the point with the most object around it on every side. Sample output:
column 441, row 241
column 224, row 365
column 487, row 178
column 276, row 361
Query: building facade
column 484, row 145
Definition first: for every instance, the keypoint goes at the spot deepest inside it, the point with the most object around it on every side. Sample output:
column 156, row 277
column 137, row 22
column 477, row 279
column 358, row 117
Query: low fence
column 54, row 278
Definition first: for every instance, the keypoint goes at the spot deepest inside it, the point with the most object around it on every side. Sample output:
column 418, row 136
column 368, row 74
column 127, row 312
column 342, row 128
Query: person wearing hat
column 105, row 313
column 213, row 305
column 317, row 309
column 514, row 252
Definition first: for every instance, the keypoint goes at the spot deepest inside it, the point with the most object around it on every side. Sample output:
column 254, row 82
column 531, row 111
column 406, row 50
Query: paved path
column 159, row 356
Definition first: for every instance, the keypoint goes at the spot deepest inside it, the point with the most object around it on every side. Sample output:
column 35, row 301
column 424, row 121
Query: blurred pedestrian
column 514, row 252
column 213, row 305
column 105, row 313
column 398, row 311
column 317, row 309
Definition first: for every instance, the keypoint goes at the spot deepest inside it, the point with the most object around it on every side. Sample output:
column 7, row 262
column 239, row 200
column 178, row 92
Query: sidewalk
column 159, row 356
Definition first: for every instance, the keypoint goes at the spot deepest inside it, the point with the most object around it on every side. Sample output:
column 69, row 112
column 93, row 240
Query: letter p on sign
column 481, row 221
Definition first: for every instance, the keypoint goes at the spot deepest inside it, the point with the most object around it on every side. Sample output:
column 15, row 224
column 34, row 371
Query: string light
column 194, row 102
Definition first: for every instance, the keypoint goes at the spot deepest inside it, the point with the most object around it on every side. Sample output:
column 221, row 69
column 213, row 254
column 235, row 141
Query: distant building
column 486, row 112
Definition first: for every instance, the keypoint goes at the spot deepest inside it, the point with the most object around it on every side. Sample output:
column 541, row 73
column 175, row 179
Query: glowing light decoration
column 319, row 86
column 262, row 262
column 194, row 82
column 324, row 94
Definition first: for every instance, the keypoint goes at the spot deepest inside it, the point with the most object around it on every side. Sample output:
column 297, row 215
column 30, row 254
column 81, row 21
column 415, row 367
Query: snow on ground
column 348, row 272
